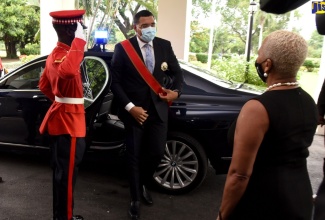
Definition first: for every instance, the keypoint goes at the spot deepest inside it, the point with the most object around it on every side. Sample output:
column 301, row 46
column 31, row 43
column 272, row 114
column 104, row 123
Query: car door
column 105, row 130
column 23, row 106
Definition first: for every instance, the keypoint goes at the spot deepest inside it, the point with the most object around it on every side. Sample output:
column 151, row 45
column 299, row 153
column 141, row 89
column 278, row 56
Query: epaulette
column 59, row 60
column 59, row 54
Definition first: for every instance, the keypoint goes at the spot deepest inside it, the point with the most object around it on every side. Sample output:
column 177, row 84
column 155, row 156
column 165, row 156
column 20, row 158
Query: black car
column 198, row 120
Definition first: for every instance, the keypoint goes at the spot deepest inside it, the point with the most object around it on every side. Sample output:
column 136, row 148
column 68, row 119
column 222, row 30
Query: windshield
column 206, row 74
column 212, row 78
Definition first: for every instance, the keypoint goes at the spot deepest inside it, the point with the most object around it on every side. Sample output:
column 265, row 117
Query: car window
column 95, row 75
column 26, row 78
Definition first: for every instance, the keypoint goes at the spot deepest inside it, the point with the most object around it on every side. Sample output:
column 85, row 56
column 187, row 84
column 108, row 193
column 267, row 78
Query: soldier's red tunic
column 62, row 78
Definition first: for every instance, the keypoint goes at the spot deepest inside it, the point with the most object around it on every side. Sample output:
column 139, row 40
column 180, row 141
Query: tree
column 116, row 13
column 315, row 45
column 199, row 38
column 19, row 23
column 235, row 16
column 227, row 43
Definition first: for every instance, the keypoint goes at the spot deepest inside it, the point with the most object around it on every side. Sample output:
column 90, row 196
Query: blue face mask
column 148, row 34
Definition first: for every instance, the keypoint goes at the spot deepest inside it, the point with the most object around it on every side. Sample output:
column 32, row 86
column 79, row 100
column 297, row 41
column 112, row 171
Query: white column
column 212, row 25
column 48, row 34
column 173, row 24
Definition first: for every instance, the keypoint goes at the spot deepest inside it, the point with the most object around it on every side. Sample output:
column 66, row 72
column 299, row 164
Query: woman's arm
column 252, row 124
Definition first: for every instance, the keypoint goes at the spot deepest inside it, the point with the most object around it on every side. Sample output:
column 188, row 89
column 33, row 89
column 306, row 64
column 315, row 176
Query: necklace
column 282, row 84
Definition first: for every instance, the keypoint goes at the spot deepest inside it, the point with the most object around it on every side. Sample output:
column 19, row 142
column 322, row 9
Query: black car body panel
column 199, row 119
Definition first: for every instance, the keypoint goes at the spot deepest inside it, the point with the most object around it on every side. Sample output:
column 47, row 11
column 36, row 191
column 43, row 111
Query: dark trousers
column 145, row 147
column 67, row 153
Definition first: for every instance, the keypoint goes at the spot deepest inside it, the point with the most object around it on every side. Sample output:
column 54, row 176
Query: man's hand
column 139, row 114
column 79, row 33
column 168, row 95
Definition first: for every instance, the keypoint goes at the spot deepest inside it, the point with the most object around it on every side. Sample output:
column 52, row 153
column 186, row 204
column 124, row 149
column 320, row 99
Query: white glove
column 79, row 33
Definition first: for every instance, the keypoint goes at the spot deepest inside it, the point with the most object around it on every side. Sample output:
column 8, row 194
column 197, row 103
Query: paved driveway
column 102, row 190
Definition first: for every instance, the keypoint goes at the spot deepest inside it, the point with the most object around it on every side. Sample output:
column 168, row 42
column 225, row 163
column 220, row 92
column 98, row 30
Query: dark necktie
column 149, row 57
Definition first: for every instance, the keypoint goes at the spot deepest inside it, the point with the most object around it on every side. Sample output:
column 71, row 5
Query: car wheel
column 184, row 165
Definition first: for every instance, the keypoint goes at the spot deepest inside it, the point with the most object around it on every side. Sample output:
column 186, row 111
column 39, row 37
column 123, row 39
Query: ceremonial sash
column 141, row 67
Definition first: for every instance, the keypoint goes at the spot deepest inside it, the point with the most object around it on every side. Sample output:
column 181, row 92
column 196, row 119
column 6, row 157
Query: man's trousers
column 67, row 153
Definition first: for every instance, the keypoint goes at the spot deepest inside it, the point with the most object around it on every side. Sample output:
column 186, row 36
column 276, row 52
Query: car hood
column 206, row 74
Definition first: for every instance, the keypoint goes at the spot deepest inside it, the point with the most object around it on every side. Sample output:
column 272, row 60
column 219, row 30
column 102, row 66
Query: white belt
column 69, row 100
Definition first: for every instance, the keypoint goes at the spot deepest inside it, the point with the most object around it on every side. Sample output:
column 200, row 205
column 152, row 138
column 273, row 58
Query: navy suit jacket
column 128, row 85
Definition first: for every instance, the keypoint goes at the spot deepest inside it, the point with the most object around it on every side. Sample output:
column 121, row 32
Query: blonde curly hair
column 287, row 50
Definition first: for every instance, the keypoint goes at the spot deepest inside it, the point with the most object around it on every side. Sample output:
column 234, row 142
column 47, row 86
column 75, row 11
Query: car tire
column 183, row 167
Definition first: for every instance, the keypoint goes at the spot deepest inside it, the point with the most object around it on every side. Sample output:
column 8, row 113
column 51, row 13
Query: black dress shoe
column 134, row 210
column 77, row 217
column 146, row 196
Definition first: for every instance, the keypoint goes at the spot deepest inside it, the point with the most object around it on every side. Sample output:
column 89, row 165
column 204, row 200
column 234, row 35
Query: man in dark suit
column 143, row 112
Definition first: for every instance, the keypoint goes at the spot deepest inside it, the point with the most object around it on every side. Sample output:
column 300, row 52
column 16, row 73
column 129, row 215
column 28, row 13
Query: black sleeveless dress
column 279, row 187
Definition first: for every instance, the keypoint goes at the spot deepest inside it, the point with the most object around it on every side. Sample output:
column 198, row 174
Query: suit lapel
column 157, row 49
column 136, row 46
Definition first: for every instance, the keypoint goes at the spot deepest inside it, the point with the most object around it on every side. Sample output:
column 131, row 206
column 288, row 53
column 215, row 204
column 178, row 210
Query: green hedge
column 235, row 69
column 311, row 63
column 31, row 49
column 203, row 57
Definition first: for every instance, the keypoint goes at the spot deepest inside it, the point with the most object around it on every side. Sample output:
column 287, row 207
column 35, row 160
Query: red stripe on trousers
column 70, row 176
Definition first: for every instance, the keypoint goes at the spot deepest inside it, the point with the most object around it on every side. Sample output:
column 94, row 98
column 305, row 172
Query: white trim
column 66, row 100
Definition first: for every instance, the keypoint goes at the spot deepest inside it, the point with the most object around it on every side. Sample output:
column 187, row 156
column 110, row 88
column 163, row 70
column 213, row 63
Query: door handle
column 40, row 98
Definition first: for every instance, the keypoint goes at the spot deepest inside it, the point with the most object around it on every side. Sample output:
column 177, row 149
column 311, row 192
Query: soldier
column 65, row 119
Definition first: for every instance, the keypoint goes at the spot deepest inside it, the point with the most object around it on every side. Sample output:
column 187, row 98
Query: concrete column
column 48, row 34
column 173, row 24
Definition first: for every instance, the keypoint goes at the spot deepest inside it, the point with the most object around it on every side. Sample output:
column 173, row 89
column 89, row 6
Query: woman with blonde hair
column 268, row 177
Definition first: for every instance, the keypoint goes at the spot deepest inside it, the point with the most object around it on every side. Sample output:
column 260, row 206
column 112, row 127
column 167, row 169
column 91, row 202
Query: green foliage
column 199, row 64
column 309, row 65
column 314, row 52
column 26, row 59
column 316, row 62
column 200, row 7
column 202, row 57
column 19, row 23
column 96, row 75
column 316, row 40
column 116, row 15
column 31, row 49
column 315, row 45
column 199, row 38
column 192, row 57
column 2, row 46
column 231, row 26
column 227, row 43
column 234, row 69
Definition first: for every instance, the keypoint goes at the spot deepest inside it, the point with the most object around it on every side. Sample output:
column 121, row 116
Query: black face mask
column 260, row 71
